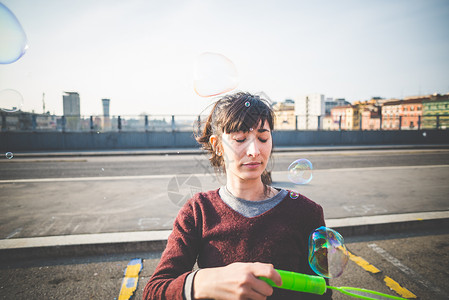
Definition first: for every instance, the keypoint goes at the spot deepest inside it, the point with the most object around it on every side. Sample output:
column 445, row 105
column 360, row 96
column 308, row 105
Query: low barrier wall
column 66, row 141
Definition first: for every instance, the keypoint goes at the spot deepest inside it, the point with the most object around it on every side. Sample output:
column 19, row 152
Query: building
column 368, row 114
column 370, row 119
column 353, row 117
column 339, row 118
column 285, row 115
column 391, row 111
column 26, row 121
column 327, row 123
column 402, row 114
column 411, row 116
column 309, row 110
column 331, row 103
column 436, row 112
column 106, row 103
column 71, row 109
column 106, row 116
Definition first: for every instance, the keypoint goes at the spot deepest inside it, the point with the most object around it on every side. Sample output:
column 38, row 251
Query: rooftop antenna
column 43, row 103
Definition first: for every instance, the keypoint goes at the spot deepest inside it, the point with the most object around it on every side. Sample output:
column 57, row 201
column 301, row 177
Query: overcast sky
column 141, row 53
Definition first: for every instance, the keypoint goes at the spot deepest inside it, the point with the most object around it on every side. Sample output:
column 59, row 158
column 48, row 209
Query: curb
column 155, row 241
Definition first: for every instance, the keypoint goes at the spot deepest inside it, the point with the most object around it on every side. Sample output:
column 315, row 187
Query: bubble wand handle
column 317, row 285
column 299, row 282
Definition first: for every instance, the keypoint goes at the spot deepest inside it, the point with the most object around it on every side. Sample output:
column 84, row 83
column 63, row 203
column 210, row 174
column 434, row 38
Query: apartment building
column 285, row 115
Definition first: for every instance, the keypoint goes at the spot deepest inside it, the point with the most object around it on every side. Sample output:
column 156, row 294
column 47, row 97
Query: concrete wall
column 59, row 141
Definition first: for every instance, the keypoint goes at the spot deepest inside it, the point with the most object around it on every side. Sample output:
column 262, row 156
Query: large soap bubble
column 13, row 40
column 300, row 171
column 10, row 100
column 327, row 252
column 214, row 74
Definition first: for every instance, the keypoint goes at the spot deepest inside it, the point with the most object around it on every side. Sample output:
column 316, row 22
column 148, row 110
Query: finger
column 261, row 287
column 267, row 271
column 250, row 293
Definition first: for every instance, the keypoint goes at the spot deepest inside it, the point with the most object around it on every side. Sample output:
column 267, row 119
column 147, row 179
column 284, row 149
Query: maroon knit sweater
column 211, row 233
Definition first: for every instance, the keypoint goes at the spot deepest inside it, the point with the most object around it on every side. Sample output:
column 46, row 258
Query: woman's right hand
column 235, row 281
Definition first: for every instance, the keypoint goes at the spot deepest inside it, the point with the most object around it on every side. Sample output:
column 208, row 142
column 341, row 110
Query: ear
column 213, row 140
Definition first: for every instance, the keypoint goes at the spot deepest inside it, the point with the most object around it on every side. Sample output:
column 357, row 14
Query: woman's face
column 246, row 154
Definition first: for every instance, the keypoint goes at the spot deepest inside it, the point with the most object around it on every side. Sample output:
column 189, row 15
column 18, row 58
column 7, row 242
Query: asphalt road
column 417, row 263
column 100, row 166
column 60, row 196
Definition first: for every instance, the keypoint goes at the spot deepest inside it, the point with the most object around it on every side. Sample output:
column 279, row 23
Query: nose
column 253, row 149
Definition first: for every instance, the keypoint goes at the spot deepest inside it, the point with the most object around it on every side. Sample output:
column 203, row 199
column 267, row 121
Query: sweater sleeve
column 178, row 258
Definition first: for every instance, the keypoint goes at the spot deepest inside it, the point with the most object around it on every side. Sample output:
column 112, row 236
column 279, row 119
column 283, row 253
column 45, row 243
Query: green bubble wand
column 317, row 285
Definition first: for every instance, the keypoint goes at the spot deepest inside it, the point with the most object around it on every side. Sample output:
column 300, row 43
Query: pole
column 91, row 123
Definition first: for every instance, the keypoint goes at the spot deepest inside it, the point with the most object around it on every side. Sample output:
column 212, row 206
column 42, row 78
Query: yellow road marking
column 363, row 263
column 129, row 282
column 398, row 288
column 393, row 285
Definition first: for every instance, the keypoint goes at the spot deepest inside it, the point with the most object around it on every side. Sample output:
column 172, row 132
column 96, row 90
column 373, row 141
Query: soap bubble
column 9, row 155
column 13, row 40
column 300, row 171
column 10, row 100
column 327, row 252
column 294, row 195
column 214, row 74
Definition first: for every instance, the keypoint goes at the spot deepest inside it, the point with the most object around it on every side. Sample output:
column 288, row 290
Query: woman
column 243, row 230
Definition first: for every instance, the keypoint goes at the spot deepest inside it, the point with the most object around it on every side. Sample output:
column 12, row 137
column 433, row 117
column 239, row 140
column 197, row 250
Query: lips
column 252, row 165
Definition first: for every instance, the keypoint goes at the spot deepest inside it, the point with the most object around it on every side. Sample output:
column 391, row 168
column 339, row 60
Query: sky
column 141, row 53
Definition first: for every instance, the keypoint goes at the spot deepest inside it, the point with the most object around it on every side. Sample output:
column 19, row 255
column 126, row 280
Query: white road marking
column 108, row 178
column 17, row 231
column 406, row 270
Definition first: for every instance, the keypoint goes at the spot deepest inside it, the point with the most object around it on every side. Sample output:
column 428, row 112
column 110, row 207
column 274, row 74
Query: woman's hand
column 235, row 281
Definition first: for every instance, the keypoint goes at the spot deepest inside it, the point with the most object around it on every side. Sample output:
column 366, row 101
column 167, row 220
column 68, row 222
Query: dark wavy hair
column 235, row 112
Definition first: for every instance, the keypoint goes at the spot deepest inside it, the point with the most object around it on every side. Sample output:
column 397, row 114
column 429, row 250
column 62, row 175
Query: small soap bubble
column 13, row 40
column 294, row 195
column 10, row 100
column 102, row 169
column 214, row 74
column 9, row 155
column 327, row 252
column 424, row 134
column 300, row 171
column 247, row 104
